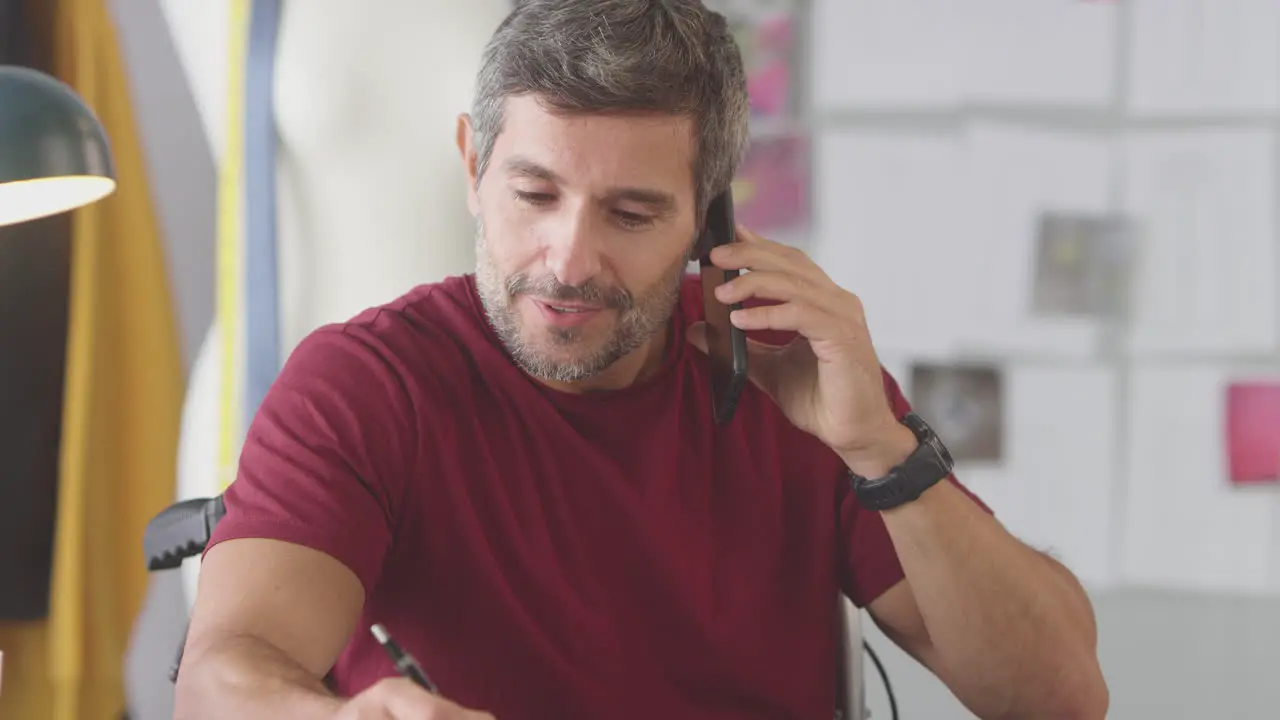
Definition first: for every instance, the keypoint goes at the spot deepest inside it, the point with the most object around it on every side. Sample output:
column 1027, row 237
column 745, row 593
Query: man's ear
column 467, row 147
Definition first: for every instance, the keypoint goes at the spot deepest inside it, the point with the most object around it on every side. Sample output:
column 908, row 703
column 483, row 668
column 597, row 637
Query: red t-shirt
column 556, row 555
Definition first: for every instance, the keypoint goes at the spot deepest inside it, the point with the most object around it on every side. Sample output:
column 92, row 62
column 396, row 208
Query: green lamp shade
column 54, row 154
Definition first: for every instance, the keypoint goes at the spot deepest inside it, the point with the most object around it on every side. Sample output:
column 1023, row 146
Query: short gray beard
column 638, row 318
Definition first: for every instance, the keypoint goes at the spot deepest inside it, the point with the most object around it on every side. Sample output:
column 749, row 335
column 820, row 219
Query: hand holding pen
column 412, row 696
column 406, row 664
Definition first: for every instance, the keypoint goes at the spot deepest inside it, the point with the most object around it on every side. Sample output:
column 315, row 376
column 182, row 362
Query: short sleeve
column 327, row 454
column 870, row 562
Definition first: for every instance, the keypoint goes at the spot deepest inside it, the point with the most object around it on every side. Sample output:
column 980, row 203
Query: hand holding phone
column 726, row 344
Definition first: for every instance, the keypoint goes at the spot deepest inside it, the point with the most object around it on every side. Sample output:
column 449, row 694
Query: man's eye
column 534, row 198
column 632, row 221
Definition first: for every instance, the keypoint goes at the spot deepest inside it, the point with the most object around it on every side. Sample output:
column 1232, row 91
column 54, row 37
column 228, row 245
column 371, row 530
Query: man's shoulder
column 423, row 332
column 428, row 305
column 432, row 315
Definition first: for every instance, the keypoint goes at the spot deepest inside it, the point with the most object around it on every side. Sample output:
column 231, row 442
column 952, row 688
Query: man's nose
column 574, row 254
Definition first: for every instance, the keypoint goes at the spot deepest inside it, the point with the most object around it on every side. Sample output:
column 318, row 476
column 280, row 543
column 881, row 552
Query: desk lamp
column 54, row 154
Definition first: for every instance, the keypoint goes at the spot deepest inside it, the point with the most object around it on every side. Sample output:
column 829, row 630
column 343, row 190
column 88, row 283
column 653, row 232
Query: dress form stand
column 371, row 192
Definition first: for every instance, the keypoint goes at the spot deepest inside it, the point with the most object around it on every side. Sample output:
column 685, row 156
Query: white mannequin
column 371, row 191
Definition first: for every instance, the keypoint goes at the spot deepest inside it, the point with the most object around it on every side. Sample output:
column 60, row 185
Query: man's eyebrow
column 659, row 201
column 524, row 166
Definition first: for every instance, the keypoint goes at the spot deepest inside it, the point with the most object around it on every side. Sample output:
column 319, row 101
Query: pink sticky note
column 772, row 190
column 767, row 46
column 768, row 88
column 1253, row 432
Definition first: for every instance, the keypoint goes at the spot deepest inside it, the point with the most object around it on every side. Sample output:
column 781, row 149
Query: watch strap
column 927, row 465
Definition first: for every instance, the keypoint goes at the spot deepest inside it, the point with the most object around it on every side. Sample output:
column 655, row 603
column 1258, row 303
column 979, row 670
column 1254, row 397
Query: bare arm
column 270, row 619
column 1009, row 630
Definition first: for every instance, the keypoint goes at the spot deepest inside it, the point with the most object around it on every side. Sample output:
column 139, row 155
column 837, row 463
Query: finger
column 797, row 317
column 436, row 708
column 747, row 255
column 764, row 285
column 405, row 700
column 696, row 334
column 749, row 236
column 757, row 256
column 784, row 287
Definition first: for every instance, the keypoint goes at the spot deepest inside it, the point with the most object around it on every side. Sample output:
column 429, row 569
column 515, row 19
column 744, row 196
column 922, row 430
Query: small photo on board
column 771, row 190
column 1253, row 432
column 964, row 404
column 1083, row 263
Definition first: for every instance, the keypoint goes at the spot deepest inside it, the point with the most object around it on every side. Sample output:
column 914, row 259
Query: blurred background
column 1060, row 215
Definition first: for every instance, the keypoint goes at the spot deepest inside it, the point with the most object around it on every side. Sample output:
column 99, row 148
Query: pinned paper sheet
column 1053, row 489
column 991, row 481
column 1017, row 175
column 771, row 191
column 1204, row 56
column 965, row 406
column 1062, row 436
column 1040, row 51
column 893, row 227
column 1083, row 265
column 1205, row 204
column 765, row 31
column 924, row 54
column 901, row 54
column 767, row 52
column 1185, row 526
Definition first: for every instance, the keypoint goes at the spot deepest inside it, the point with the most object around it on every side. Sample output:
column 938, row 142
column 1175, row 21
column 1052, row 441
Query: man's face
column 585, row 224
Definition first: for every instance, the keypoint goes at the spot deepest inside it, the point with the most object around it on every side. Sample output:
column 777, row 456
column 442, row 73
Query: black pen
column 405, row 663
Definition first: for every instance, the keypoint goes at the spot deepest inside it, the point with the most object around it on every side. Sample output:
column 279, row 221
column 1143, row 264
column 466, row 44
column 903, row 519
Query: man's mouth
column 567, row 314
column 570, row 309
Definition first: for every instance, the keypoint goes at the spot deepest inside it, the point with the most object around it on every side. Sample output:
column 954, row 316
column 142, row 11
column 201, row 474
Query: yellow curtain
column 121, row 413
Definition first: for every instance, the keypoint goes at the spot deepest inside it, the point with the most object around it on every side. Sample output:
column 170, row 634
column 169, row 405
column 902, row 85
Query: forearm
column 1011, row 633
column 247, row 678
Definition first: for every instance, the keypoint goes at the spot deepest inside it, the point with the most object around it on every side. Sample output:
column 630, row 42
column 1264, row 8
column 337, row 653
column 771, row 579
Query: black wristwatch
column 923, row 468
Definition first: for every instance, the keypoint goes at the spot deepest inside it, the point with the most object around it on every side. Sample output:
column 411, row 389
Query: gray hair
column 619, row 56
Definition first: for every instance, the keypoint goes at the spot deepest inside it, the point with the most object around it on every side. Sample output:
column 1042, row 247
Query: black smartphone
column 726, row 344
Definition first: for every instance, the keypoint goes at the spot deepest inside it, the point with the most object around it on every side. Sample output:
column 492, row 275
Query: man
column 518, row 474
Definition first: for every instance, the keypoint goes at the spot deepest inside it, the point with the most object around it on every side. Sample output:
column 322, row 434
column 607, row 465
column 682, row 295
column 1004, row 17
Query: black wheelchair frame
column 178, row 532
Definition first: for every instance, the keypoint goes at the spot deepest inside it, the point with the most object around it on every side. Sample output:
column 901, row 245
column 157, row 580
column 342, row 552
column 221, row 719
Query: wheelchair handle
column 181, row 531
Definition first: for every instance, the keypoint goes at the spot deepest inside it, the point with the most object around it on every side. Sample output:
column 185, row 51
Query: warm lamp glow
column 32, row 199
column 54, row 154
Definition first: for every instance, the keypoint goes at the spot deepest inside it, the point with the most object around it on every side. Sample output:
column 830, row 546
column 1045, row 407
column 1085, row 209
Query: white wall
column 929, row 184
column 943, row 129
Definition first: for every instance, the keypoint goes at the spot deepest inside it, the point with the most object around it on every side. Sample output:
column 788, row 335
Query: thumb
column 453, row 711
column 696, row 334
column 762, row 358
column 763, row 365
